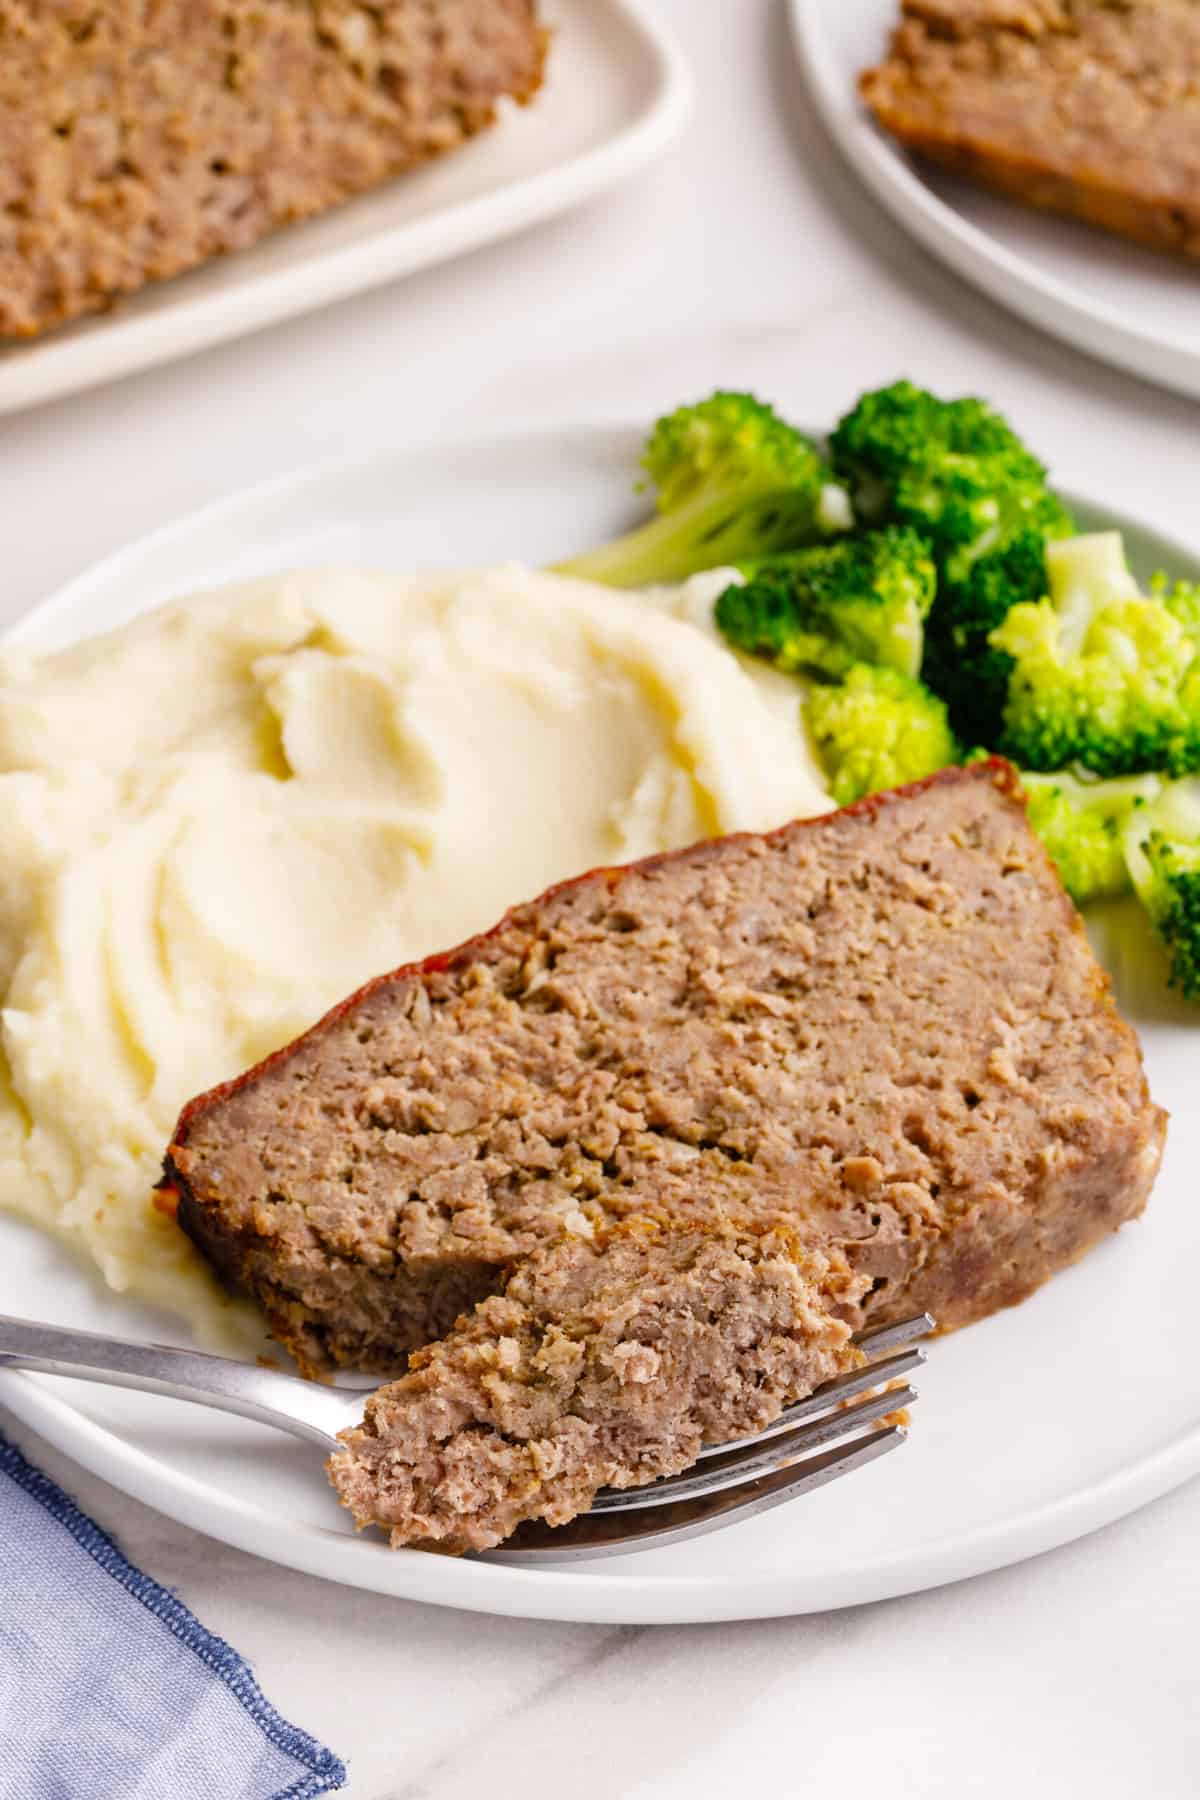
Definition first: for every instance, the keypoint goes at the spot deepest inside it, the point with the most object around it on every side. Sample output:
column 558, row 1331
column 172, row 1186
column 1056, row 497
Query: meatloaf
column 137, row 141
column 1082, row 107
column 883, row 1028
column 604, row 1362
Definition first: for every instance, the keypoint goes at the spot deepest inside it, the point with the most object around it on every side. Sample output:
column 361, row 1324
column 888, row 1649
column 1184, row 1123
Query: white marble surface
column 747, row 257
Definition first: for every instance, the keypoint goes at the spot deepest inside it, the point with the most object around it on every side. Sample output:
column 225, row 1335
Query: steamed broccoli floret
column 891, row 431
column 877, row 729
column 952, row 469
column 733, row 481
column 1182, row 600
column 1103, row 675
column 1162, row 849
column 1081, row 820
column 960, row 662
column 863, row 599
column 957, row 472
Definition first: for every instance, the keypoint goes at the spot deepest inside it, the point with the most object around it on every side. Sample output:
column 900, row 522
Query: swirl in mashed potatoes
column 220, row 819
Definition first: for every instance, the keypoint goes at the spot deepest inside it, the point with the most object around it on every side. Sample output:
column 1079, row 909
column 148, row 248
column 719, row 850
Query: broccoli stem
column 708, row 532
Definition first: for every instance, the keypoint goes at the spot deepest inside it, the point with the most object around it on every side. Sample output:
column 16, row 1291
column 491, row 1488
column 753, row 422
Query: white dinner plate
column 1032, row 1427
column 1134, row 307
column 615, row 93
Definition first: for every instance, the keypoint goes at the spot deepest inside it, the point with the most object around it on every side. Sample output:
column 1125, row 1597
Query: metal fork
column 833, row 1431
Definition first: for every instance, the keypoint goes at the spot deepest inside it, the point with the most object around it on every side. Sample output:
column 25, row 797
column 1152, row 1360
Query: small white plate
column 615, row 93
column 1134, row 307
column 1033, row 1427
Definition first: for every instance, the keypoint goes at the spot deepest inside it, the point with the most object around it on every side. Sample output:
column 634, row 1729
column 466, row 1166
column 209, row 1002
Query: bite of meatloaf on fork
column 601, row 1364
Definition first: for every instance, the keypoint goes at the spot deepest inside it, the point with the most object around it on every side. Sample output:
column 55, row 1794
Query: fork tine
column 738, row 1467
column 616, row 1534
column 823, row 1399
column 814, row 1441
column 879, row 1338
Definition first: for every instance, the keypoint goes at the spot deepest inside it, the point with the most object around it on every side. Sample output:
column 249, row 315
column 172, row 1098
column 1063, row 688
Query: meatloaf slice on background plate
column 1080, row 107
column 139, row 141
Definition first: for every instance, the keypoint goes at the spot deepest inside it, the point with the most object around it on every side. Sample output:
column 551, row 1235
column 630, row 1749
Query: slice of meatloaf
column 138, row 141
column 1080, row 107
column 884, row 1025
column 603, row 1363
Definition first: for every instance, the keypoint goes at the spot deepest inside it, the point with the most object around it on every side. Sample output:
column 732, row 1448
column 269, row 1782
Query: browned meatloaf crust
column 601, row 1364
column 1083, row 107
column 884, row 1026
column 139, row 140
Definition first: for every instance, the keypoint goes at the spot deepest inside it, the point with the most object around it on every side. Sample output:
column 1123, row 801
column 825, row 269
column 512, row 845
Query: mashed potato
column 220, row 819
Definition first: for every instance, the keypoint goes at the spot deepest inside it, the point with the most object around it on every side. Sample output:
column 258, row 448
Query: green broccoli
column 734, row 482
column 876, row 729
column 1103, row 675
column 1162, row 849
column 1182, row 600
column 1081, row 820
column 876, row 440
column 862, row 599
column 960, row 663
column 957, row 472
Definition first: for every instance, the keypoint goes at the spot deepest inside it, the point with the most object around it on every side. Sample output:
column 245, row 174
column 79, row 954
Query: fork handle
column 303, row 1408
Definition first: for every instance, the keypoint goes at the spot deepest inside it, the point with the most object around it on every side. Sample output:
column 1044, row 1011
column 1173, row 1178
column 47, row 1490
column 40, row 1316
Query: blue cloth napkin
column 109, row 1688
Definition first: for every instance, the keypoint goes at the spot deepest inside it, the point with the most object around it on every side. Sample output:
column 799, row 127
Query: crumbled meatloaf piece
column 884, row 1025
column 600, row 1364
column 137, row 141
column 1083, row 107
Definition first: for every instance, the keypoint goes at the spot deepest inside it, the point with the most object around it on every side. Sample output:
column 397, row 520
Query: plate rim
column 592, row 1596
column 472, row 1585
column 1042, row 299
column 58, row 367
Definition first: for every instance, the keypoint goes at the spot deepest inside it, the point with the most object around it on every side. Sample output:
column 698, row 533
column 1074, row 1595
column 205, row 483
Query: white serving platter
column 1033, row 1427
column 1136, row 308
column 616, row 92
